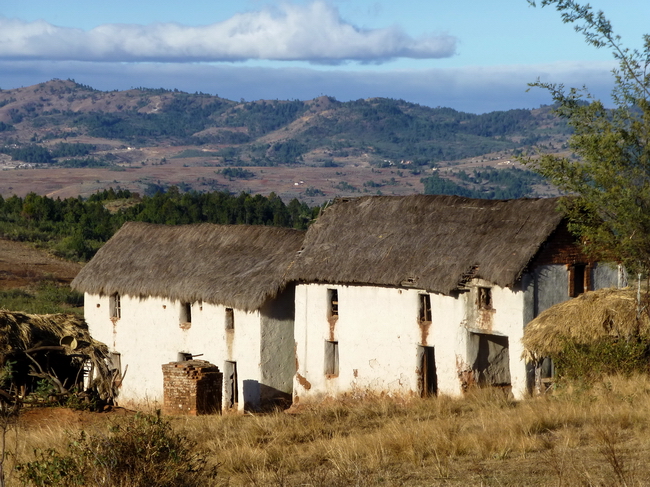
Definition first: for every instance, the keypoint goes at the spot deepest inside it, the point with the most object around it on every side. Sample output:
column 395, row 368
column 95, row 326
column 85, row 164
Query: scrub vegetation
column 580, row 435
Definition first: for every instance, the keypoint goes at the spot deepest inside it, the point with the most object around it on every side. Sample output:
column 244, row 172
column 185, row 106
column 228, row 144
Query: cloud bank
column 314, row 32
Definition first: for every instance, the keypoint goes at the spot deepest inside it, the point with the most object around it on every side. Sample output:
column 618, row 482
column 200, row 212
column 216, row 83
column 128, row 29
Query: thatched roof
column 590, row 317
column 234, row 265
column 429, row 242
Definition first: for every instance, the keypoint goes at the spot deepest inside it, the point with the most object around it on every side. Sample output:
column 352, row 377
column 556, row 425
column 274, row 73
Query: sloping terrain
column 22, row 265
column 171, row 137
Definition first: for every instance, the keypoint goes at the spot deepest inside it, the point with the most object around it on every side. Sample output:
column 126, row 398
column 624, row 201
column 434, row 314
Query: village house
column 157, row 294
column 429, row 294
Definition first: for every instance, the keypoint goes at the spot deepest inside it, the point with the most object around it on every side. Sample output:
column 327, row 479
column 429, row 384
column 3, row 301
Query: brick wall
column 561, row 248
column 191, row 388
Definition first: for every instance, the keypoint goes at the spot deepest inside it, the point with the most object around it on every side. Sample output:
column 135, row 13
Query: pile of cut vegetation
column 600, row 332
column 49, row 355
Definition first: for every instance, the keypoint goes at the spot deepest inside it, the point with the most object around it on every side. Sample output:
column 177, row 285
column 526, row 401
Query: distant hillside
column 66, row 124
column 269, row 132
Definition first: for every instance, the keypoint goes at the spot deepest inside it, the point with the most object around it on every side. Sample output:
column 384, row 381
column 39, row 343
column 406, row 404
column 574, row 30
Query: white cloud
column 313, row 32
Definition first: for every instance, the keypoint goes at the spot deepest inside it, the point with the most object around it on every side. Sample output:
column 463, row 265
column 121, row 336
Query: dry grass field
column 597, row 436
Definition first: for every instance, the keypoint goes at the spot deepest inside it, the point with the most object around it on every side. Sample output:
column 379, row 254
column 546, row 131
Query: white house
column 156, row 294
column 425, row 294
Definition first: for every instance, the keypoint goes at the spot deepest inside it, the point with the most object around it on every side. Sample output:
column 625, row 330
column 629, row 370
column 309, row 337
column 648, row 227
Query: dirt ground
column 22, row 265
column 36, row 417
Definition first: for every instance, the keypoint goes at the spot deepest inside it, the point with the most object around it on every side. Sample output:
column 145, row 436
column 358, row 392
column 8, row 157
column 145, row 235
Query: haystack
column 40, row 346
column 584, row 320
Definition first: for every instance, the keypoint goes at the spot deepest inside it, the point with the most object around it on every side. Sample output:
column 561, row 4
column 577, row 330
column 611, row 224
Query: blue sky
column 471, row 55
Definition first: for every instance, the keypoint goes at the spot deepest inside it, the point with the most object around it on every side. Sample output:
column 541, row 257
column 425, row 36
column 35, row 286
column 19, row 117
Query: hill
column 65, row 125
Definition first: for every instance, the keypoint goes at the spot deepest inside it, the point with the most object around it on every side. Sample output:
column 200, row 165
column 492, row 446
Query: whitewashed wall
column 149, row 334
column 378, row 336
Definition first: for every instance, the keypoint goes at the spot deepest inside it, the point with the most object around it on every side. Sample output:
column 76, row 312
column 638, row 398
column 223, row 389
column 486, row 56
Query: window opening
column 425, row 307
column 230, row 319
column 484, row 298
column 333, row 298
column 115, row 306
column 331, row 358
column 115, row 366
column 186, row 313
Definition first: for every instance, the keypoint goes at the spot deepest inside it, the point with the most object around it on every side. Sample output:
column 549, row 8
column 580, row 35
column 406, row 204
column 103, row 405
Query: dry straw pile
column 587, row 319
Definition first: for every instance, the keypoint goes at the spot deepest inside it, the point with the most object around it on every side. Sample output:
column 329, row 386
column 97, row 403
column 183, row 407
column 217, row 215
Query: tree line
column 75, row 228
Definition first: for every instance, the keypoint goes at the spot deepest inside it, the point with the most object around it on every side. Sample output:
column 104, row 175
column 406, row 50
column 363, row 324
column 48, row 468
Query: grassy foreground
column 597, row 436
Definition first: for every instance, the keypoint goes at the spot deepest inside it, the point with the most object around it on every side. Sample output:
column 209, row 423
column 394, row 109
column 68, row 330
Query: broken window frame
column 424, row 308
column 331, row 358
column 115, row 306
column 484, row 297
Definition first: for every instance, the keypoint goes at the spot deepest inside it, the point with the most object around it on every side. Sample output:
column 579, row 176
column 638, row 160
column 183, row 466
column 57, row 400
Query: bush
column 141, row 451
column 605, row 357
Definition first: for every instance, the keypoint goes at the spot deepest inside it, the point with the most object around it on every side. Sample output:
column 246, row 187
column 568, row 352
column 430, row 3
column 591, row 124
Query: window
column 333, row 302
column 115, row 367
column 331, row 358
column 115, row 306
column 230, row 319
column 578, row 280
column 186, row 313
column 484, row 298
column 115, row 361
column 425, row 307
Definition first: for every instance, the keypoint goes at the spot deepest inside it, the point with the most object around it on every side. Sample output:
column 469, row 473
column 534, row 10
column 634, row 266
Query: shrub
column 141, row 451
column 604, row 357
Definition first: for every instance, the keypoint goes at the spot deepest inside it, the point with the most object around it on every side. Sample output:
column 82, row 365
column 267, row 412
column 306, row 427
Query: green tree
column 610, row 177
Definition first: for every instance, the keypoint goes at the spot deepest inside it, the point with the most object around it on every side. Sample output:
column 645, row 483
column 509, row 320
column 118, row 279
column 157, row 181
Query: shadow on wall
column 260, row 397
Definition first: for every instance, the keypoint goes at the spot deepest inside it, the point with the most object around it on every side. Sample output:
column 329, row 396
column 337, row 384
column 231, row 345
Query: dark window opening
column 115, row 306
column 333, row 299
column 230, row 319
column 425, row 307
column 484, row 298
column 331, row 358
column 186, row 313
column 428, row 383
column 230, row 387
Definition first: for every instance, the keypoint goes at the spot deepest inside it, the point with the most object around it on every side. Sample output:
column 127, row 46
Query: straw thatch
column 430, row 242
column 233, row 265
column 33, row 342
column 586, row 319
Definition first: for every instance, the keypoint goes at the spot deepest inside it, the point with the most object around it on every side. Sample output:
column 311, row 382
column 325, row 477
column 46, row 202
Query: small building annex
column 157, row 294
column 420, row 294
